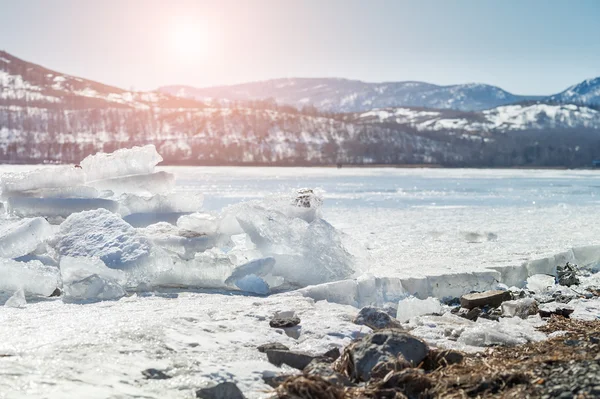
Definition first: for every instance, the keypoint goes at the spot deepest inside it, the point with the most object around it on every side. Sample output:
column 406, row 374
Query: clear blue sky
column 524, row 46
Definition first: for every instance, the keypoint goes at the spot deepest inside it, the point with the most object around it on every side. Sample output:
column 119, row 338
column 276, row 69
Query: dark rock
column 284, row 322
column 564, row 312
column 297, row 360
column 56, row 292
column 155, row 374
column 333, row 353
column 567, row 275
column 273, row 345
column 274, row 380
column 376, row 319
column 385, row 346
column 488, row 298
column 224, row 390
column 324, row 370
column 382, row 369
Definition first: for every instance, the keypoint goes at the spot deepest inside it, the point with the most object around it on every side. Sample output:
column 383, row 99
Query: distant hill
column 586, row 92
column 49, row 116
column 342, row 95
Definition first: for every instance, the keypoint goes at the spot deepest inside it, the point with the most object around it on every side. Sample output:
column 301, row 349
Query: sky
column 533, row 47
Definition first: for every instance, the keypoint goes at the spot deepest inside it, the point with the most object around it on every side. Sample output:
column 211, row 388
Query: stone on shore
column 224, row 390
column 376, row 319
column 492, row 299
column 297, row 360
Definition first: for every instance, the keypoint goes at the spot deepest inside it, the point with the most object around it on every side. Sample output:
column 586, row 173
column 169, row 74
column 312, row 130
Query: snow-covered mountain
column 534, row 116
column 342, row 95
column 22, row 82
column 47, row 116
column 586, row 92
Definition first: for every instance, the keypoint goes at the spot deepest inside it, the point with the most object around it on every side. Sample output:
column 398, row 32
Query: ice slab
column 23, row 237
column 102, row 234
column 169, row 203
column 541, row 283
column 32, row 277
column 203, row 223
column 413, row 307
column 61, row 192
column 154, row 183
column 183, row 242
column 506, row 332
column 522, row 308
column 123, row 162
column 17, row 300
column 305, row 253
column 60, row 176
column 57, row 208
column 253, row 284
column 146, row 219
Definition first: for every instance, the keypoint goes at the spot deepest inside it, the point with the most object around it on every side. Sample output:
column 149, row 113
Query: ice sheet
column 32, row 277
column 61, row 176
column 153, row 183
column 56, row 208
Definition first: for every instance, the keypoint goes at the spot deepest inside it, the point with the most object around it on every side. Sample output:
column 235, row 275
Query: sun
column 189, row 40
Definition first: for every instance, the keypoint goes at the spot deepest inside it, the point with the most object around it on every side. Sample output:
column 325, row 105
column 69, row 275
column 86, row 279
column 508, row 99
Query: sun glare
column 188, row 40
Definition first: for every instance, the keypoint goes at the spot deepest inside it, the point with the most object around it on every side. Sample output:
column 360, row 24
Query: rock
column 382, row 369
column 297, row 360
column 284, row 322
column 224, row 390
column 555, row 308
column 273, row 345
column 56, row 292
column 155, row 374
column 333, row 353
column 376, row 319
column 522, row 308
column 437, row 358
column 274, row 380
column 567, row 275
column 488, row 298
column 324, row 370
column 385, row 346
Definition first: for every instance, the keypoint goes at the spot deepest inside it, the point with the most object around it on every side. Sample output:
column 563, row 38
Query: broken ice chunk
column 253, row 284
column 74, row 269
column 93, row 287
column 59, row 176
column 522, row 308
column 61, row 192
column 123, row 162
column 305, row 253
column 23, row 237
column 258, row 267
column 202, row 223
column 411, row 307
column 33, row 277
column 540, row 283
column 102, row 234
column 185, row 243
column 170, row 203
column 154, row 183
column 57, row 208
column 17, row 300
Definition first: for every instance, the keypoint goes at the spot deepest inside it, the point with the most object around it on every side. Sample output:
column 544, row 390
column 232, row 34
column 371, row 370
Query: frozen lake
column 430, row 221
column 408, row 222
